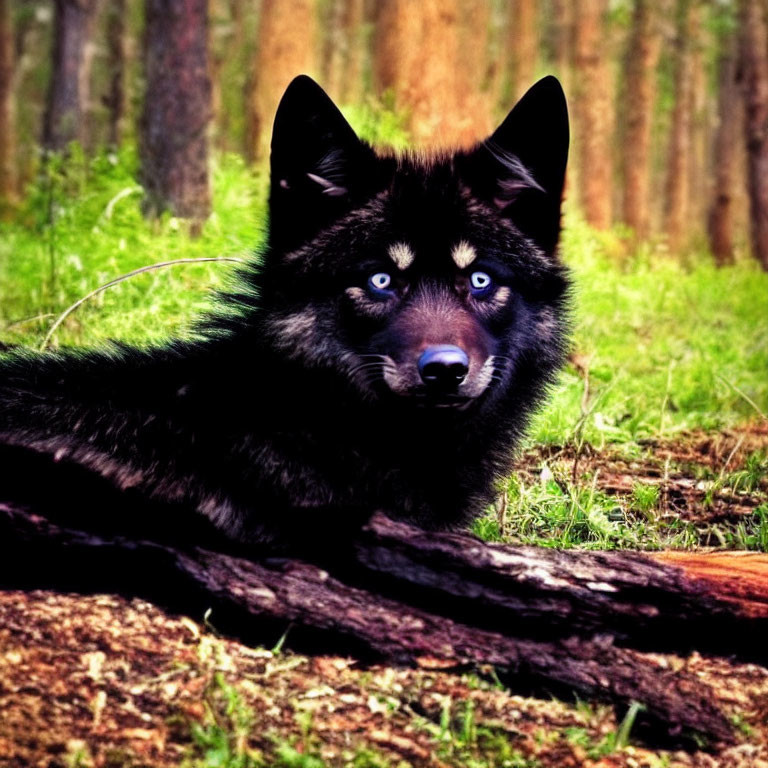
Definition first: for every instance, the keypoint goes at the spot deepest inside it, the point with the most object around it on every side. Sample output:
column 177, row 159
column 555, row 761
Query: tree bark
column 177, row 109
column 560, row 34
column 523, row 30
column 116, row 97
column 640, row 92
column 677, row 199
column 547, row 619
column 286, row 48
column 8, row 170
column 593, row 113
column 353, row 54
column 68, row 87
column 754, row 63
column 730, row 117
column 422, row 55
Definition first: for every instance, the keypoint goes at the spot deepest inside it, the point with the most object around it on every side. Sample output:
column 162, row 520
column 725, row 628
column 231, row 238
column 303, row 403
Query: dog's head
column 433, row 279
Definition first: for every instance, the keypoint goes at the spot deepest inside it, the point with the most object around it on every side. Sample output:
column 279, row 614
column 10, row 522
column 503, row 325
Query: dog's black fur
column 305, row 403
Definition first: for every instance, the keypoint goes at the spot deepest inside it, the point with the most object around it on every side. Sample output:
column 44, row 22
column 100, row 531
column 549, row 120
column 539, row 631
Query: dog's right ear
column 318, row 165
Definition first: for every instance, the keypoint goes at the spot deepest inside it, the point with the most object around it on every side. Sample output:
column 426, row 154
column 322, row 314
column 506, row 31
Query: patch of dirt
column 110, row 682
column 700, row 475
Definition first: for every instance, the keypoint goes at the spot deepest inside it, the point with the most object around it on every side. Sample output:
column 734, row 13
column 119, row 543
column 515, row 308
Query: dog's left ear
column 520, row 169
column 317, row 163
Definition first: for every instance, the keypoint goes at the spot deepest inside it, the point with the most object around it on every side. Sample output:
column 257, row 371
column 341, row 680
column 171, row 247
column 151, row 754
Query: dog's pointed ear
column 317, row 164
column 520, row 169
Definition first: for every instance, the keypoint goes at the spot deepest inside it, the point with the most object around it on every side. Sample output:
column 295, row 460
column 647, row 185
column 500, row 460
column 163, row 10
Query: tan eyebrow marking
column 463, row 254
column 401, row 254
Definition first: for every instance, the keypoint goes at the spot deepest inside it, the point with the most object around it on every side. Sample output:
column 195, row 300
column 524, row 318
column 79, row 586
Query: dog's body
column 406, row 319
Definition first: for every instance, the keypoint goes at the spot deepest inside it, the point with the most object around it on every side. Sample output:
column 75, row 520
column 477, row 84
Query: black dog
column 385, row 353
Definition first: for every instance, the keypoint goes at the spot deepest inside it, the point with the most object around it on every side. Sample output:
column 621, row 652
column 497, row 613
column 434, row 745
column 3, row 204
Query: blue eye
column 480, row 283
column 380, row 283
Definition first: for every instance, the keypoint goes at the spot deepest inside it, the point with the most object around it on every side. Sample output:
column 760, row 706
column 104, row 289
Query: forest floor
column 696, row 489
column 100, row 681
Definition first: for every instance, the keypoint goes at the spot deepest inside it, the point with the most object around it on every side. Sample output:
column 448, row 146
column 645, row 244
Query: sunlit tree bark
column 8, row 176
column 421, row 56
column 754, row 61
column 639, row 96
column 593, row 90
column 561, row 35
column 286, row 48
column 476, row 94
column 342, row 56
column 177, row 109
column 351, row 81
column 677, row 200
column 68, row 85
column 730, row 116
column 524, row 45
column 700, row 166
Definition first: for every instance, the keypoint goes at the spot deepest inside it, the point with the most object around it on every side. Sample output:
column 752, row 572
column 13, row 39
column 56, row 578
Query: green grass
column 669, row 346
column 80, row 230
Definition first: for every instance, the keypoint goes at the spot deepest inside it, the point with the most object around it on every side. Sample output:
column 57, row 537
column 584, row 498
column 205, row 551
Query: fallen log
column 664, row 601
column 547, row 619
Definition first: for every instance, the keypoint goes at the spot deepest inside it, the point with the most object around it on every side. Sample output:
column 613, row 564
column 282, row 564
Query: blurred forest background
column 669, row 98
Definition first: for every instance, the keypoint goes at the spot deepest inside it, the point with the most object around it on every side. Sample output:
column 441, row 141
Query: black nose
column 443, row 366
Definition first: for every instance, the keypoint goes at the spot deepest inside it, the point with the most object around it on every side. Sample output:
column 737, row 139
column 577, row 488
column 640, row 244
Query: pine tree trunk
column 217, row 52
column 68, row 86
column 640, row 83
column 475, row 89
column 117, row 54
column 754, row 62
column 593, row 112
column 8, row 175
column 420, row 55
column 286, row 48
column 700, row 166
column 730, row 116
column 331, row 62
column 524, row 44
column 561, row 37
column 416, row 53
column 177, row 108
column 351, row 83
column 677, row 202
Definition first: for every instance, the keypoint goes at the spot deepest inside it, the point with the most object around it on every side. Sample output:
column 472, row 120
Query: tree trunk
column 524, row 44
column 419, row 56
column 416, row 54
column 700, row 167
column 116, row 98
column 640, row 84
column 177, row 109
column 68, row 87
column 677, row 202
column 593, row 112
column 333, row 34
column 754, row 62
column 218, row 50
column 730, row 117
column 561, row 40
column 475, row 95
column 286, row 48
column 8, row 171
column 351, row 81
